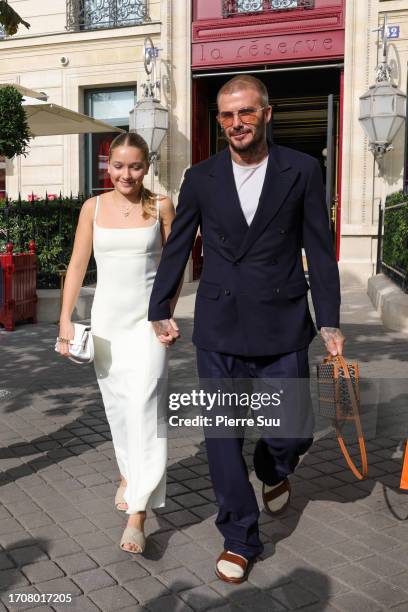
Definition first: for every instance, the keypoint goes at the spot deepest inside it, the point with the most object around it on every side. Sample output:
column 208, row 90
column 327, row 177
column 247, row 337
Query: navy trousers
column 274, row 458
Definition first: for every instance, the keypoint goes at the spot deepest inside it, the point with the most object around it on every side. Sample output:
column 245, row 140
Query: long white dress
column 130, row 362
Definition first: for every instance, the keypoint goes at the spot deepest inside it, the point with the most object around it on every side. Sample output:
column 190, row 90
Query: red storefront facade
column 297, row 48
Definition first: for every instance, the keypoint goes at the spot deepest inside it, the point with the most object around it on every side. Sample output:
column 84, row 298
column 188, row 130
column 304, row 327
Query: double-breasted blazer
column 252, row 296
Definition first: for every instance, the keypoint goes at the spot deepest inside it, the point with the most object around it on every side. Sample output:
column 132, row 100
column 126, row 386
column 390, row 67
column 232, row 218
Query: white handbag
column 81, row 348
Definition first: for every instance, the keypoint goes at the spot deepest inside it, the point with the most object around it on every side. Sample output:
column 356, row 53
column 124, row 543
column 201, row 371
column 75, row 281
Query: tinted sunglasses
column 246, row 115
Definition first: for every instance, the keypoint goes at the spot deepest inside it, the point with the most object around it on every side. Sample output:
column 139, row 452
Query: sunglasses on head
column 246, row 115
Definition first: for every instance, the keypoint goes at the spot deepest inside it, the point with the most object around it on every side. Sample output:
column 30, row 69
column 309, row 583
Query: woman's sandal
column 133, row 535
column 119, row 499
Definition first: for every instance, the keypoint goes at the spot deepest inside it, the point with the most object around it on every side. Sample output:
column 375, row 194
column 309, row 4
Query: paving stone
column 36, row 519
column 323, row 558
column 385, row 594
column 383, row 566
column 190, row 499
column 59, row 585
column 42, row 571
column 179, row 579
column 93, row 580
column 79, row 562
column 125, row 571
column 20, row 508
column 197, row 484
column 93, row 541
column 48, row 532
column 9, row 598
column 8, row 526
column 182, row 518
column 354, row 575
column 169, row 602
column 261, row 602
column 145, row 589
column 113, row 598
column 78, row 604
column 293, row 596
column 355, row 602
column 202, row 598
column 6, row 562
column 108, row 519
column 61, row 548
column 353, row 550
column 79, row 526
column 108, row 554
column 13, row 577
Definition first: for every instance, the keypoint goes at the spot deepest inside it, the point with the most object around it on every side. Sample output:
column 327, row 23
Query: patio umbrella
column 48, row 119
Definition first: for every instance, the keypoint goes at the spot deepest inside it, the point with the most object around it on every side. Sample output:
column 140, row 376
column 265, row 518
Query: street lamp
column 150, row 118
column 382, row 107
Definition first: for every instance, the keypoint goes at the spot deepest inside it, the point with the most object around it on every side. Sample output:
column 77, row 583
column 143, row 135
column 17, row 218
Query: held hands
column 167, row 331
column 66, row 333
column 333, row 339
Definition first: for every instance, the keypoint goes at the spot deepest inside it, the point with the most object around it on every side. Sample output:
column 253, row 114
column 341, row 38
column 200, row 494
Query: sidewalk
column 342, row 545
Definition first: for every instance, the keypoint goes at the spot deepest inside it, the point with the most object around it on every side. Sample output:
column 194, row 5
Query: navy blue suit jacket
column 252, row 297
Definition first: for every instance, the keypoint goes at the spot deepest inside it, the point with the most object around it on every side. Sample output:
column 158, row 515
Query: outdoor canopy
column 48, row 119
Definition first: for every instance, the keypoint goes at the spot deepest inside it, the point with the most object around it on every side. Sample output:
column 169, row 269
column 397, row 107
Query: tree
column 9, row 19
column 14, row 131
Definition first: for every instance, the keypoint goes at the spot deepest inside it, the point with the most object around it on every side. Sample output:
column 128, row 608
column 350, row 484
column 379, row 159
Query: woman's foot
column 120, row 503
column 133, row 539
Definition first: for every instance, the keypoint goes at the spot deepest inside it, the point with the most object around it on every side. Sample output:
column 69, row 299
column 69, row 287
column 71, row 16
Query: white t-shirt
column 249, row 181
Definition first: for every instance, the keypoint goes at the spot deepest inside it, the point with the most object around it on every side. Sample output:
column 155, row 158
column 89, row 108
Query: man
column 257, row 204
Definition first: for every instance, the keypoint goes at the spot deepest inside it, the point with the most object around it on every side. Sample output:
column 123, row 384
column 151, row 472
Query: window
column 111, row 106
column 95, row 14
column 239, row 7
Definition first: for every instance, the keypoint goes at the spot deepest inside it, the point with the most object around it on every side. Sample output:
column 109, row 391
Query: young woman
column 127, row 228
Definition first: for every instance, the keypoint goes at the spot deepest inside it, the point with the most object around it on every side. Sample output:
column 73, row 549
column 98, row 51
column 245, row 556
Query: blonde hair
column 132, row 139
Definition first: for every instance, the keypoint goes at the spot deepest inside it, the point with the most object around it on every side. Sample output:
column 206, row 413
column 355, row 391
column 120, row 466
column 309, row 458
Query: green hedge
column 395, row 241
column 52, row 225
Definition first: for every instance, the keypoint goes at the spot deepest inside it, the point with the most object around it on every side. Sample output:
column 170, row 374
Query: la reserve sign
column 290, row 47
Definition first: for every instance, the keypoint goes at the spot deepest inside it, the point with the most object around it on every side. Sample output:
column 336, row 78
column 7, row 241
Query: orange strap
column 356, row 413
column 404, row 475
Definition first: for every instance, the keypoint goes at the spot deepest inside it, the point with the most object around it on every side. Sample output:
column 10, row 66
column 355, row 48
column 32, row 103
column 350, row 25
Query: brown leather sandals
column 271, row 498
column 240, row 561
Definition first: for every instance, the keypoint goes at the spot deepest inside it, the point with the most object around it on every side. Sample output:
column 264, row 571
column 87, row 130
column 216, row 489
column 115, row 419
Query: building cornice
column 65, row 37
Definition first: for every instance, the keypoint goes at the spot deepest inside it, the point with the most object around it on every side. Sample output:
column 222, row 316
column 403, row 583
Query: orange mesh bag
column 339, row 400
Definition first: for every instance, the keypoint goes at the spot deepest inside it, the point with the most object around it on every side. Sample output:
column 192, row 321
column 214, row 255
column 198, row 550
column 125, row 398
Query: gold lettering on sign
column 328, row 43
column 283, row 47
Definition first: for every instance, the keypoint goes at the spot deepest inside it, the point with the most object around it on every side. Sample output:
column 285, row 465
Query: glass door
column 111, row 106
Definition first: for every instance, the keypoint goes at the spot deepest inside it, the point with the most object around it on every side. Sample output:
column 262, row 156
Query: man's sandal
column 244, row 564
column 119, row 499
column 276, row 499
column 134, row 536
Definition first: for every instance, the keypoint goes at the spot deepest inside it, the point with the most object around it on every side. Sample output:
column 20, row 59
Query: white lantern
column 151, row 120
column 382, row 113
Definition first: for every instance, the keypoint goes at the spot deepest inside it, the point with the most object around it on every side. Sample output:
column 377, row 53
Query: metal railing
column 100, row 14
column 392, row 253
column 52, row 225
column 243, row 7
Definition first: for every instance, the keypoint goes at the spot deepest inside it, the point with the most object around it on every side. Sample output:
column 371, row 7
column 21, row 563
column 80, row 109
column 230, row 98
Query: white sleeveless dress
column 129, row 359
